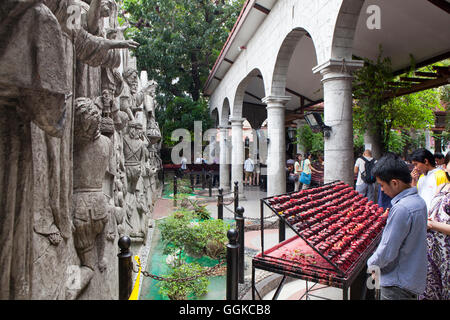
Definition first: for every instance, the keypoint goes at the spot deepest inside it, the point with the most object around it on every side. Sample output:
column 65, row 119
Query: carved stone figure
column 26, row 48
column 64, row 187
column 133, row 150
column 90, row 209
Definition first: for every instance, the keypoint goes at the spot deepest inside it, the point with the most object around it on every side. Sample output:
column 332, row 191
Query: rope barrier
column 134, row 293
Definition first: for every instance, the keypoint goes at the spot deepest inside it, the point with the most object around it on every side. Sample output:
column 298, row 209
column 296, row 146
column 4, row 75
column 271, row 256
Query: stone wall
column 79, row 149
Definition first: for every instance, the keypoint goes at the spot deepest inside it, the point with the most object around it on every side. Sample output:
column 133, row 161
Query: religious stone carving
column 133, row 150
column 92, row 151
column 65, row 189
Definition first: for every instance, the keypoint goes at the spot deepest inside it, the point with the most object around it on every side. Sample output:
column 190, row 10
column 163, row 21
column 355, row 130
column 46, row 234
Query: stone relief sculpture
column 92, row 152
column 134, row 152
column 26, row 48
column 65, row 189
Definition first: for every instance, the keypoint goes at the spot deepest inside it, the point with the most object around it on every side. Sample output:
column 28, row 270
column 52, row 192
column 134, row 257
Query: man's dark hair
column 391, row 167
column 438, row 155
column 421, row 154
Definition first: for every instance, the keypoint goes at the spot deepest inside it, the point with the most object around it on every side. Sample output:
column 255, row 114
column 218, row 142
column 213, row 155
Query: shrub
column 181, row 290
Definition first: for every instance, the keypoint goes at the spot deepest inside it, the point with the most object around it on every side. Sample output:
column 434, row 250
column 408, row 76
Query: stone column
column 338, row 101
column 224, row 163
column 237, row 153
column 276, row 157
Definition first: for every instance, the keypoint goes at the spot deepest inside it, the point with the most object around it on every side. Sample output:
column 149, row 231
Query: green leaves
column 183, row 289
column 312, row 142
column 178, row 50
column 183, row 41
column 372, row 111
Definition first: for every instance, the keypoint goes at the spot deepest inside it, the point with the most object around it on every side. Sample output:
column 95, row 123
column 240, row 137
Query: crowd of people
column 304, row 172
column 413, row 257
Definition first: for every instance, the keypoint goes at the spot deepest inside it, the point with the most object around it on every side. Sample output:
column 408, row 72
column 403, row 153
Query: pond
column 157, row 266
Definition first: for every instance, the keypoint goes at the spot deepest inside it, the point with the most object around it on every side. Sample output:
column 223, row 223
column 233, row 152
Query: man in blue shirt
column 401, row 255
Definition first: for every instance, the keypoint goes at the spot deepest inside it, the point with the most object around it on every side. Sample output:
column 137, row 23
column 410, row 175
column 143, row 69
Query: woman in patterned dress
column 438, row 238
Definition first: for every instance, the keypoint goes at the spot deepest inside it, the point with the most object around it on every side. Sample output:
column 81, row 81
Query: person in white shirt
column 297, row 171
column 256, row 173
column 248, row 169
column 425, row 174
column 365, row 189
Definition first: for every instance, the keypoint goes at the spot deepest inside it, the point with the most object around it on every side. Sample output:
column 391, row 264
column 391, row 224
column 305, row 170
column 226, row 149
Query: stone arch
column 214, row 114
column 224, row 115
column 240, row 92
column 345, row 28
column 283, row 59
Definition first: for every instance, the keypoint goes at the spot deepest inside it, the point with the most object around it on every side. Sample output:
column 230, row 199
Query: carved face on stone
column 107, row 98
column 87, row 119
column 131, row 78
column 135, row 130
column 107, row 7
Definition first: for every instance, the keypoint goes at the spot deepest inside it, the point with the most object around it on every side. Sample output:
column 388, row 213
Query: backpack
column 366, row 175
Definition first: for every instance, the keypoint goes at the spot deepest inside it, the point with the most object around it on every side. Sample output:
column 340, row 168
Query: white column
column 224, row 163
column 276, row 157
column 338, row 101
column 237, row 153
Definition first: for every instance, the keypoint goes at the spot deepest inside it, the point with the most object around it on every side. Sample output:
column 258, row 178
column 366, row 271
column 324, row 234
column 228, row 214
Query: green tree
column 378, row 114
column 311, row 142
column 180, row 40
column 181, row 112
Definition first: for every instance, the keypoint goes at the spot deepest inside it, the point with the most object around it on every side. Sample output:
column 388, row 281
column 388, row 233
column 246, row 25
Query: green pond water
column 157, row 266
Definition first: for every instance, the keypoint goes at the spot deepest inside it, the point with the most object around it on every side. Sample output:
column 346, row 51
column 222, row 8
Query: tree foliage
column 377, row 113
column 311, row 142
column 181, row 113
column 180, row 40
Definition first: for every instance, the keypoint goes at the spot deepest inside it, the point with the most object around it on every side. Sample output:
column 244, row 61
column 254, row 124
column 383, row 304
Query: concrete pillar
column 224, row 163
column 237, row 153
column 338, row 148
column 276, row 158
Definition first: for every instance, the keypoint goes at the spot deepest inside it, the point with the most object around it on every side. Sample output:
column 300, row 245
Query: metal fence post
column 210, row 184
column 175, row 190
column 220, row 204
column 191, row 177
column 240, row 226
column 236, row 195
column 232, row 265
column 125, row 268
column 281, row 231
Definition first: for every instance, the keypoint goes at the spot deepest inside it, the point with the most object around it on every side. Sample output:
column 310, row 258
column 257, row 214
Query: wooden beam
column 261, row 8
column 292, row 91
column 252, row 95
column 441, row 4
column 309, row 105
column 424, row 63
column 426, row 74
column 297, row 94
column 442, row 70
column 412, row 79
column 432, row 83
column 398, row 84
